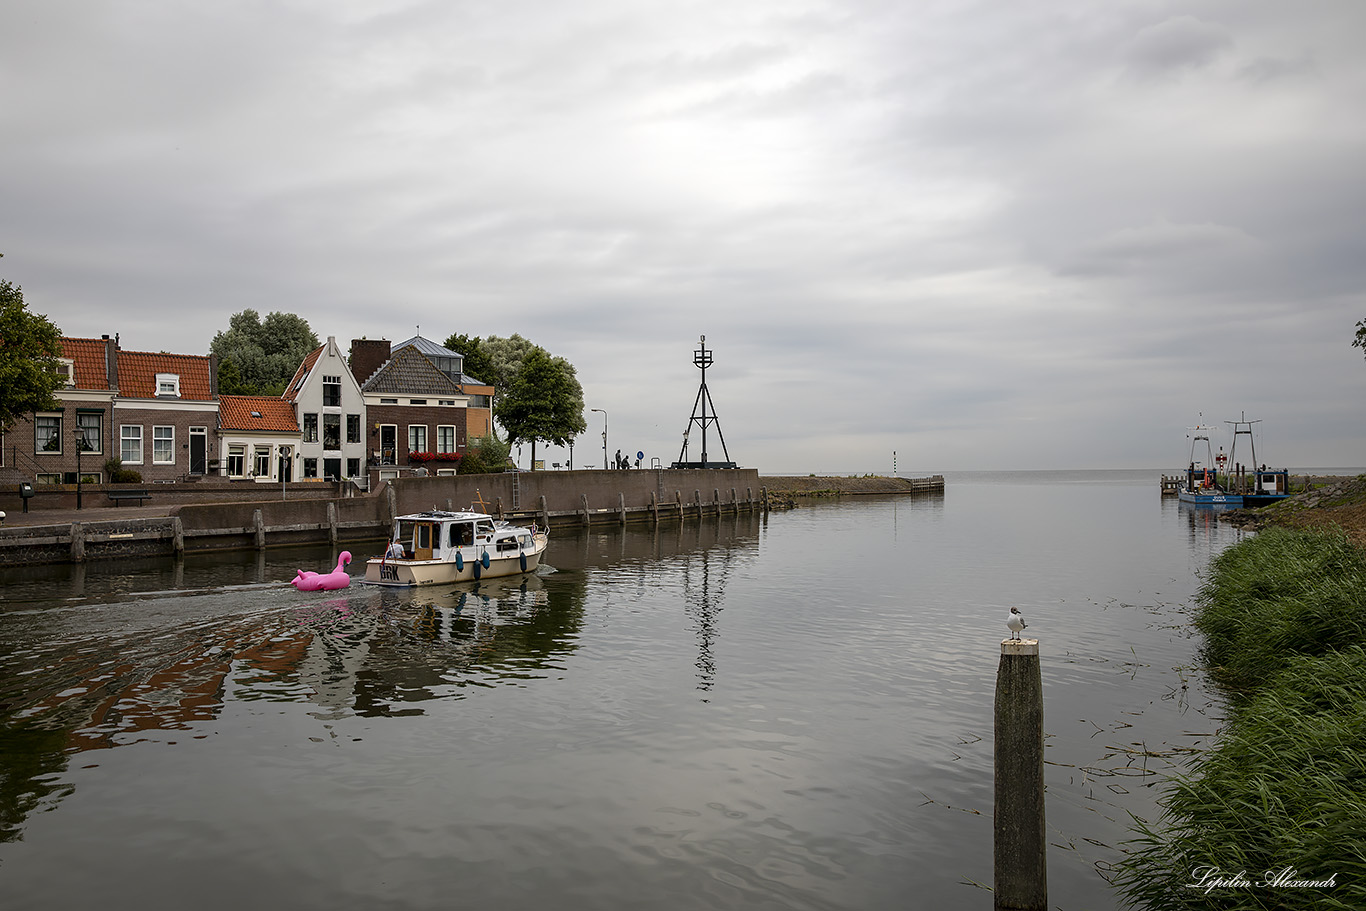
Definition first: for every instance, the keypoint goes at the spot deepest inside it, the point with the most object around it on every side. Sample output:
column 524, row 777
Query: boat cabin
column 440, row 535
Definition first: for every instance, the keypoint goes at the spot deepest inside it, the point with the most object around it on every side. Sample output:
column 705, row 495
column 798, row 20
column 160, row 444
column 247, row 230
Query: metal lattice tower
column 702, row 359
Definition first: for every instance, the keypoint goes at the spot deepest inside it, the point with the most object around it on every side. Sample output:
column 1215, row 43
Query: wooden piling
column 332, row 524
column 77, row 542
column 583, row 497
column 654, row 507
column 258, row 525
column 621, row 507
column 1021, row 861
column 177, row 536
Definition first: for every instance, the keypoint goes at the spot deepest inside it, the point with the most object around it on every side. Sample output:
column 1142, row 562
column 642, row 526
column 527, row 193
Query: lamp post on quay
column 79, row 438
column 604, row 435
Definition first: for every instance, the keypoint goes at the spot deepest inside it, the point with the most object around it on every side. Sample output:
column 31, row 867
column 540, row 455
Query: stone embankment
column 1339, row 502
column 828, row 486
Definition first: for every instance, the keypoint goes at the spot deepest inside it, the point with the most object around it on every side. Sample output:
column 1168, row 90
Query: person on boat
column 395, row 550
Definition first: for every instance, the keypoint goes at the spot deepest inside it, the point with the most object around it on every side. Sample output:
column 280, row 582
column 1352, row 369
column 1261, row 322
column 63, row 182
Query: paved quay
column 38, row 517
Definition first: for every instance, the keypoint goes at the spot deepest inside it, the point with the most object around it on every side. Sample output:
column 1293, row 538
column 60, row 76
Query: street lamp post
column 604, row 435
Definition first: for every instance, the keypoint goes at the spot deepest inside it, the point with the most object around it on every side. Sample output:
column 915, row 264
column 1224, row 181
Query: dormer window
column 66, row 371
column 168, row 385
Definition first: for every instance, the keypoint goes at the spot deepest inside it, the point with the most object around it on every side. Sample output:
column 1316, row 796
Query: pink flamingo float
column 307, row 581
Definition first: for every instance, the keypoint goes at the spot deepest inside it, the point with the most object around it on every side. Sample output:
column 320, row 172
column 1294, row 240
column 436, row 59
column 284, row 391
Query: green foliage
column 543, row 402
column 1278, row 594
column 1285, row 787
column 1286, row 784
column 29, row 347
column 486, row 455
column 258, row 357
column 117, row 474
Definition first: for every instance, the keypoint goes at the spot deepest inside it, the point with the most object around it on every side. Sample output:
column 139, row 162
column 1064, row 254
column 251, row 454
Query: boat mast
column 1252, row 442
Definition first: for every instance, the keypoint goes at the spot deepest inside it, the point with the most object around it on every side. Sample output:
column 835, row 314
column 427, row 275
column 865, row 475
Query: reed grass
column 1286, row 785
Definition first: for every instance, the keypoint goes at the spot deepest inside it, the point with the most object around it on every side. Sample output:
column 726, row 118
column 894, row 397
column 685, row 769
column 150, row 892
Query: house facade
column 416, row 406
column 259, row 438
column 166, row 414
column 155, row 413
column 331, row 416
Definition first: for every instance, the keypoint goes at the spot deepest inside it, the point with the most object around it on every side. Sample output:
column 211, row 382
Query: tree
column 29, row 347
column 477, row 362
column 259, row 358
column 544, row 401
column 1360, row 341
column 488, row 455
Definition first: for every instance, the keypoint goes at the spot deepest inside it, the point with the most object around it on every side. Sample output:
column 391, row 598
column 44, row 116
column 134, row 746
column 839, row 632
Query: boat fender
column 459, row 562
column 485, row 559
column 476, row 570
column 521, row 558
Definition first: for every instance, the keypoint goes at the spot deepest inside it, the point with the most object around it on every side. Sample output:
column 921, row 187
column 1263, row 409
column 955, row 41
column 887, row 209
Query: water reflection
column 108, row 655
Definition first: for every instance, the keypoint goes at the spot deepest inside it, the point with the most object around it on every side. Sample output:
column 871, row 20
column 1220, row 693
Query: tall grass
column 1286, row 785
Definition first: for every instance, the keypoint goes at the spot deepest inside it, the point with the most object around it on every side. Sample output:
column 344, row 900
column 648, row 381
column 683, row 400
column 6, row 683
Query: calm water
column 789, row 713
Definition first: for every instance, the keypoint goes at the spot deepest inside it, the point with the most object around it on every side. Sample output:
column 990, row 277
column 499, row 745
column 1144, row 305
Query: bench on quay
column 118, row 496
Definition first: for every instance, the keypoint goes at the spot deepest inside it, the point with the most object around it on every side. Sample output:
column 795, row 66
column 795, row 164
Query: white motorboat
column 440, row 547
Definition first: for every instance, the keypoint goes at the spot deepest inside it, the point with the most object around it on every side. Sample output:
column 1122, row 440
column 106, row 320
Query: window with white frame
column 417, row 437
column 310, row 428
column 331, row 391
column 90, row 432
column 237, row 460
column 445, row 438
column 66, row 371
column 168, row 384
column 130, row 444
column 353, row 428
column 262, row 460
column 163, row 445
column 47, row 433
column 331, row 431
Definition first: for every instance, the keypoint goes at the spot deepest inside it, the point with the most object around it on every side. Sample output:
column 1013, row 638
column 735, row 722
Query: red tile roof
column 138, row 374
column 256, row 412
column 89, row 357
column 291, row 392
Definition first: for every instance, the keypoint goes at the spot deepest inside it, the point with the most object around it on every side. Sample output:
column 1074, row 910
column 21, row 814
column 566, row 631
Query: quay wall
column 589, row 497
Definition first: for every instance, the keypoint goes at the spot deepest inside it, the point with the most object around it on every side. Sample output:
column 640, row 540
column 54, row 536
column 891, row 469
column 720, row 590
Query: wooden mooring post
column 1021, row 844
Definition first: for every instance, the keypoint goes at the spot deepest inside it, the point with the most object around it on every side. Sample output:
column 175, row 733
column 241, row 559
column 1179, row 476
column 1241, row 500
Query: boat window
column 485, row 527
column 462, row 534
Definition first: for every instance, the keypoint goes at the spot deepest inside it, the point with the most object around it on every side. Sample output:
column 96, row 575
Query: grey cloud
column 1177, row 44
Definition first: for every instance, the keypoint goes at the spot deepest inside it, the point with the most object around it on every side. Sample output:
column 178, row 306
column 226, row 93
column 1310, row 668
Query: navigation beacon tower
column 702, row 358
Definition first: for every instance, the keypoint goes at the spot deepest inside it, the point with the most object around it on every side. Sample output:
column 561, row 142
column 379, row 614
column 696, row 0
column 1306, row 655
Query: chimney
column 367, row 356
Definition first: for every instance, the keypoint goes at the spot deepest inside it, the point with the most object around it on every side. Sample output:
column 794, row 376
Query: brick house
column 166, row 412
column 259, row 438
column 417, row 400
column 331, row 412
column 152, row 411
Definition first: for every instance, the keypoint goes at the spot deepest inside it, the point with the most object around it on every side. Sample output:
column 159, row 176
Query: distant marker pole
column 1021, row 860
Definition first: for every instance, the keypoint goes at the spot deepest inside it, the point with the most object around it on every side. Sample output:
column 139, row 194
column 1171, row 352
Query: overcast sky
column 981, row 235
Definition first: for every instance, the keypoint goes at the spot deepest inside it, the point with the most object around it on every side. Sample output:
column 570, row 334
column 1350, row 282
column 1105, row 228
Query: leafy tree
column 489, row 455
column 263, row 354
column 544, row 401
column 1360, row 341
column 29, row 347
column 477, row 362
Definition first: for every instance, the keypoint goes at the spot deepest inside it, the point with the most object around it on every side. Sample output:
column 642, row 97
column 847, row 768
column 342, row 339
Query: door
column 199, row 450
column 422, row 541
column 286, row 464
column 332, row 469
column 388, row 444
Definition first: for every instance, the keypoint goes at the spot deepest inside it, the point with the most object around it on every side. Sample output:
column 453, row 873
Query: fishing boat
column 1208, row 484
column 434, row 548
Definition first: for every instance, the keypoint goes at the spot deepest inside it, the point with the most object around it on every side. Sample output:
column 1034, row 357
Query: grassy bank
column 1284, row 616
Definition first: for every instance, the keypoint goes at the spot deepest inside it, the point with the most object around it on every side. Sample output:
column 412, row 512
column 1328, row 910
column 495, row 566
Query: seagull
column 1015, row 621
